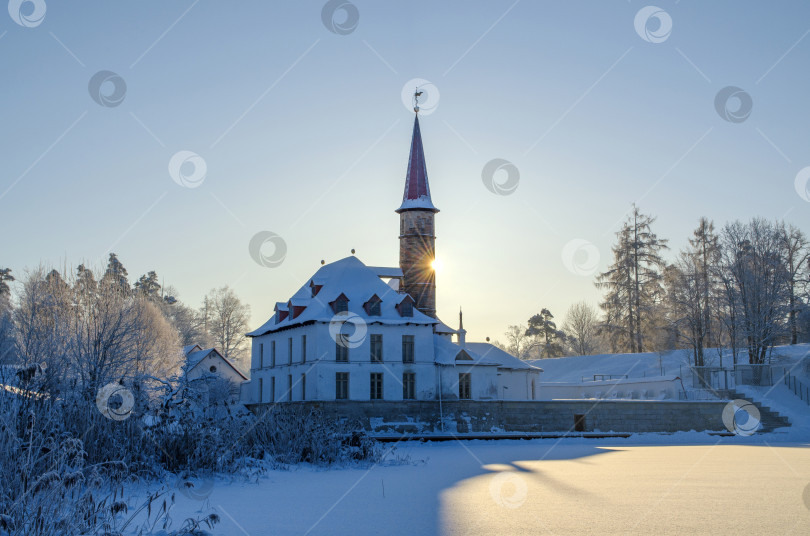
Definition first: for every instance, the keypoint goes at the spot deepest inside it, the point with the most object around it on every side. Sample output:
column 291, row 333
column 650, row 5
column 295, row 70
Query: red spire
column 417, row 190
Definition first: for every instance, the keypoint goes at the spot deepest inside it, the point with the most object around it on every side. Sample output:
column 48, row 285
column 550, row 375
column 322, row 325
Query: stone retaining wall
column 529, row 416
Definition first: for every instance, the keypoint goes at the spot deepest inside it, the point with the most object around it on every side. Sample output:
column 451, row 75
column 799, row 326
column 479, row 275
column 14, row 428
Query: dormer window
column 463, row 356
column 405, row 307
column 295, row 310
column 281, row 314
column 341, row 304
column 315, row 288
column 372, row 306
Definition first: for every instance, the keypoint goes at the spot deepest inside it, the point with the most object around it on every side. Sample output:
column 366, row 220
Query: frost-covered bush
column 291, row 434
column 63, row 462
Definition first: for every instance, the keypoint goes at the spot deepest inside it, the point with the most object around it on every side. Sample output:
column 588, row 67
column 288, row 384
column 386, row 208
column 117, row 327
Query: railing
column 797, row 387
column 602, row 377
column 698, row 394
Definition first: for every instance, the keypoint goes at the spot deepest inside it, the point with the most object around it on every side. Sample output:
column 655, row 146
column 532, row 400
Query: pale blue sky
column 304, row 133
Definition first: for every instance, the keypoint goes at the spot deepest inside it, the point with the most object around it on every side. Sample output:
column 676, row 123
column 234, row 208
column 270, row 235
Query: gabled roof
column 447, row 352
column 358, row 282
column 417, row 190
column 191, row 348
column 481, row 353
column 194, row 358
column 492, row 353
column 387, row 271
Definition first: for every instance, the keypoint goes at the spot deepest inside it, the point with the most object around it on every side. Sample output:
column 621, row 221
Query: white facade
column 297, row 358
column 209, row 364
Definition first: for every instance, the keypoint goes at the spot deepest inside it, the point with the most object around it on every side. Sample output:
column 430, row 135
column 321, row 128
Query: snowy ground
column 686, row 483
column 574, row 369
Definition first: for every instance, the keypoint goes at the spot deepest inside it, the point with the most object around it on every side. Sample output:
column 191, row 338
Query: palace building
column 354, row 332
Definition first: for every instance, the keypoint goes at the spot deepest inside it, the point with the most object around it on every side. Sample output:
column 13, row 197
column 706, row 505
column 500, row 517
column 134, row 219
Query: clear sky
column 303, row 133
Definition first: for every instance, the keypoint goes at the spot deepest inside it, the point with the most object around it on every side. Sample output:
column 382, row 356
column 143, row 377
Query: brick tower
column 417, row 238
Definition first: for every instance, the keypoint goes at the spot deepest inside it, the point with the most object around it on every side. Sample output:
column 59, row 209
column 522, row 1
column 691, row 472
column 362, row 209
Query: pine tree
column 5, row 277
column 148, row 286
column 633, row 281
column 6, row 328
column 116, row 275
column 543, row 327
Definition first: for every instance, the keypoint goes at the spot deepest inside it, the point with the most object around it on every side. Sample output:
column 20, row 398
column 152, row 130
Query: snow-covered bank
column 651, row 483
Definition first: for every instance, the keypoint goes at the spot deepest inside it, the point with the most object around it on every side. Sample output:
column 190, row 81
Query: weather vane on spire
column 416, row 95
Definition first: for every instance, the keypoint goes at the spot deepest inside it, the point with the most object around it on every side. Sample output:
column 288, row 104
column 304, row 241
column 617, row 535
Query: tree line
column 742, row 288
column 93, row 328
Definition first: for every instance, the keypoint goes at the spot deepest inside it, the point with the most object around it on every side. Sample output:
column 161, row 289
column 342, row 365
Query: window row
column 375, row 355
column 342, row 345
column 375, row 386
column 272, row 357
column 342, row 387
column 286, row 395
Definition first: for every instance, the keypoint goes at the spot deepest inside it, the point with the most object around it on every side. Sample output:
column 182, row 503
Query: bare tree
column 517, row 342
column 582, row 325
column 227, row 321
column 753, row 259
column 692, row 288
column 797, row 254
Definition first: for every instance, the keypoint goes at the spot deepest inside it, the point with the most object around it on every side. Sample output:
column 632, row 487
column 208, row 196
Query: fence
column 753, row 375
column 712, row 378
column 799, row 389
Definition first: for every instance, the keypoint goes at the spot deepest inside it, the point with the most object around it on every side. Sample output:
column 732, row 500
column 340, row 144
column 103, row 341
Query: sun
column 437, row 265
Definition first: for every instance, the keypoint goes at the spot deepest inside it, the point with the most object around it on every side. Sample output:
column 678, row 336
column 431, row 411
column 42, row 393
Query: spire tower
column 417, row 239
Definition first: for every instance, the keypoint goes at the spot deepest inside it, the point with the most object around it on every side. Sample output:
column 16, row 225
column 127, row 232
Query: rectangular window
column 273, row 354
column 376, row 348
column 303, row 386
column 261, row 388
column 409, row 386
column 289, row 351
column 341, row 353
column 407, row 348
column 464, row 386
column 341, row 385
column 273, row 389
column 376, row 386
column 261, row 355
column 303, row 348
column 289, row 387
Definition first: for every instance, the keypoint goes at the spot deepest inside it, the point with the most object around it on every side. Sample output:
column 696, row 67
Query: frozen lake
column 700, row 485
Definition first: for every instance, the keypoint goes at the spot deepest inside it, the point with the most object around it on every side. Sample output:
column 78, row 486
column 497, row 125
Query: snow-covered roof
column 423, row 202
column 490, row 352
column 358, row 282
column 190, row 348
column 387, row 271
column 193, row 359
column 447, row 351
column 441, row 327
